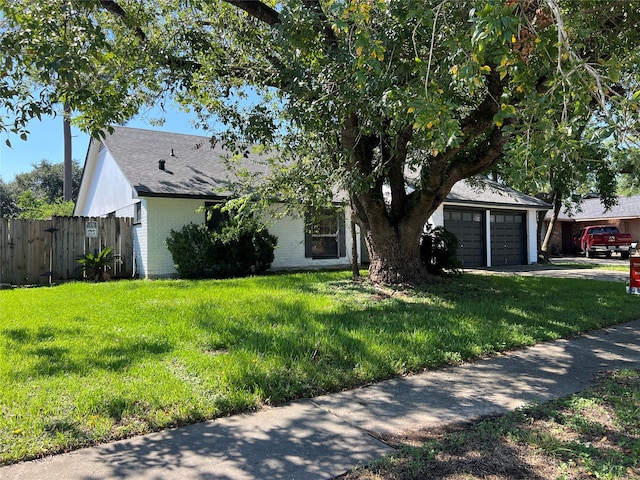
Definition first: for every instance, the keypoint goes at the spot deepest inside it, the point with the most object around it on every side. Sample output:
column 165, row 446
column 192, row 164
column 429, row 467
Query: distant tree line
column 38, row 194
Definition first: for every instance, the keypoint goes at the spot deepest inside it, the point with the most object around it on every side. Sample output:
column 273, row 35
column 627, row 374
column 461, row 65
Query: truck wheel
column 624, row 255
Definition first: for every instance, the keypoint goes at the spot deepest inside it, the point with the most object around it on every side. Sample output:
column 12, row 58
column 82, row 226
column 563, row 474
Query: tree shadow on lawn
column 299, row 353
column 49, row 356
column 383, row 336
column 310, row 353
column 311, row 439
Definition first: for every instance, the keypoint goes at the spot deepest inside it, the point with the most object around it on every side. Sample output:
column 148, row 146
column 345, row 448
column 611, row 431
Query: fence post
column 5, row 272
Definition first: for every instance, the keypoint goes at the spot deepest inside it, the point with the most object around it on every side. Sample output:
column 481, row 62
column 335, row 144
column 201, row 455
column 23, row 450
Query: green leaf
column 614, row 74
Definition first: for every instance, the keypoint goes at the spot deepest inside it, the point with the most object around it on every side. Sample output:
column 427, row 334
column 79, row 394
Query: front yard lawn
column 86, row 363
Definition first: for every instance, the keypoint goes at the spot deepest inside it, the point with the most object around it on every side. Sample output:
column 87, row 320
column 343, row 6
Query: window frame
column 137, row 213
column 313, row 222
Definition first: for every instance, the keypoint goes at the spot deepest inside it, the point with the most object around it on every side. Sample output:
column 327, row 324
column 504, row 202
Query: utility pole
column 66, row 127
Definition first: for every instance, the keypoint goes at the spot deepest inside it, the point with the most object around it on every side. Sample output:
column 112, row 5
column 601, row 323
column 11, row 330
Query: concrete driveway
column 580, row 270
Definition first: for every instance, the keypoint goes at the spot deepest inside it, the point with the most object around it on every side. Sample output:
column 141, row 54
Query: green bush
column 191, row 247
column 438, row 251
column 235, row 249
column 96, row 265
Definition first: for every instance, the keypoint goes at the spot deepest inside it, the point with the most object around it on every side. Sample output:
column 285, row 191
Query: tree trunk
column 544, row 250
column 355, row 266
column 395, row 261
column 394, row 252
column 393, row 217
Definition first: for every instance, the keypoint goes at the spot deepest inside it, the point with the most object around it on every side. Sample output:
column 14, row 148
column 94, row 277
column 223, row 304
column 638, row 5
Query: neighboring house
column 163, row 180
column 625, row 215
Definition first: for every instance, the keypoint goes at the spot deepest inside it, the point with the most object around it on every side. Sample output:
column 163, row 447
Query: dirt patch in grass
column 595, row 434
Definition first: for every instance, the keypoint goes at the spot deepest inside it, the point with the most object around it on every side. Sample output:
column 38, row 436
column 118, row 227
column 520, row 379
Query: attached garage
column 508, row 235
column 494, row 225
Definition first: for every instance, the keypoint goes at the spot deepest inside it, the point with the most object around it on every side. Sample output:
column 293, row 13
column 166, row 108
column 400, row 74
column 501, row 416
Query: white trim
column 487, row 234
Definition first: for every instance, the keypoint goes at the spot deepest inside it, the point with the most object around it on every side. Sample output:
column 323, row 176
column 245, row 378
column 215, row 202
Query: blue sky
column 45, row 141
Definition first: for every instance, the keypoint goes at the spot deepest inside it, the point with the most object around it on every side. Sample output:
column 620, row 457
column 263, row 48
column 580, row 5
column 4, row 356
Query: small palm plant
column 96, row 266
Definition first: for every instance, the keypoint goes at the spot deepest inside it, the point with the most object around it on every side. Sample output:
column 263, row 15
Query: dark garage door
column 507, row 238
column 468, row 227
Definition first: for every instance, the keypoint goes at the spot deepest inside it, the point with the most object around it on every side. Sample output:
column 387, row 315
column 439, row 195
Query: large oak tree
column 393, row 100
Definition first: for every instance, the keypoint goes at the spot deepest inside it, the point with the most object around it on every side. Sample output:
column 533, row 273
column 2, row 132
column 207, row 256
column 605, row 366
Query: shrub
column 438, row 251
column 235, row 249
column 96, row 266
column 191, row 247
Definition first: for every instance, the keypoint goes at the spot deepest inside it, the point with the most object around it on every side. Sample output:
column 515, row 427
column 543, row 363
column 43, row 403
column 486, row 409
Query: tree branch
column 497, row 142
column 117, row 10
column 172, row 62
column 444, row 171
column 315, row 6
column 397, row 181
column 477, row 123
column 257, row 10
column 431, row 196
column 270, row 16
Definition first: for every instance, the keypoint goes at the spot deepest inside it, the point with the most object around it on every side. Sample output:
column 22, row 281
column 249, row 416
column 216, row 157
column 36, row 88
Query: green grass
column 593, row 434
column 86, row 363
column 622, row 267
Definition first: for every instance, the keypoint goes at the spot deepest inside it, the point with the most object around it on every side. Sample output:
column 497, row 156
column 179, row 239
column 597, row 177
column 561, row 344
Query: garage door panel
column 507, row 239
column 468, row 227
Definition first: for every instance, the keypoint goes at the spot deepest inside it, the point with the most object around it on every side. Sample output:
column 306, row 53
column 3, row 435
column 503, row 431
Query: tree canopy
column 367, row 95
column 38, row 194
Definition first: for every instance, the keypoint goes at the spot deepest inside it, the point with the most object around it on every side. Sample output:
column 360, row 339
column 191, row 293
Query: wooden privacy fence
column 37, row 252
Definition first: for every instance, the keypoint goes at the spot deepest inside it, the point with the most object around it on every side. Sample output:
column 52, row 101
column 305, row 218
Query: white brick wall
column 125, row 211
column 437, row 217
column 290, row 251
column 160, row 216
column 153, row 259
column 532, row 239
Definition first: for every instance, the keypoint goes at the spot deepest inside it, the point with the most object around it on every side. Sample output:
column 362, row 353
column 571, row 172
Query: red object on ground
column 634, row 272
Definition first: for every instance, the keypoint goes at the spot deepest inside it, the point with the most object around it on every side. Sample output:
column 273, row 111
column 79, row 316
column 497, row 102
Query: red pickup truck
column 602, row 239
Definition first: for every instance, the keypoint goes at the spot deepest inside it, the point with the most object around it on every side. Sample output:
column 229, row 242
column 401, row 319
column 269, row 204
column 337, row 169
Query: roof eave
column 507, row 206
column 142, row 193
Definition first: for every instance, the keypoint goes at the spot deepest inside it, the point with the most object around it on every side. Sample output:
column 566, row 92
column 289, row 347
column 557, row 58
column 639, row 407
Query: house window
column 325, row 235
column 137, row 212
column 214, row 217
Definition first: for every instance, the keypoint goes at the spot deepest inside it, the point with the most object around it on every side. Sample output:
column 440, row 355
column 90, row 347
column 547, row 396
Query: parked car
column 603, row 239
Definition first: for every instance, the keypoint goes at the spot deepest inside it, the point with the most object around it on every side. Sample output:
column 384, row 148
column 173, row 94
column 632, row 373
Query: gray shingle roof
column 198, row 169
column 488, row 192
column 591, row 209
column 192, row 166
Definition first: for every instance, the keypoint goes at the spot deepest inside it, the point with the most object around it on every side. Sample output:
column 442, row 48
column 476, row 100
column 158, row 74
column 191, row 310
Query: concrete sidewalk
column 326, row 436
